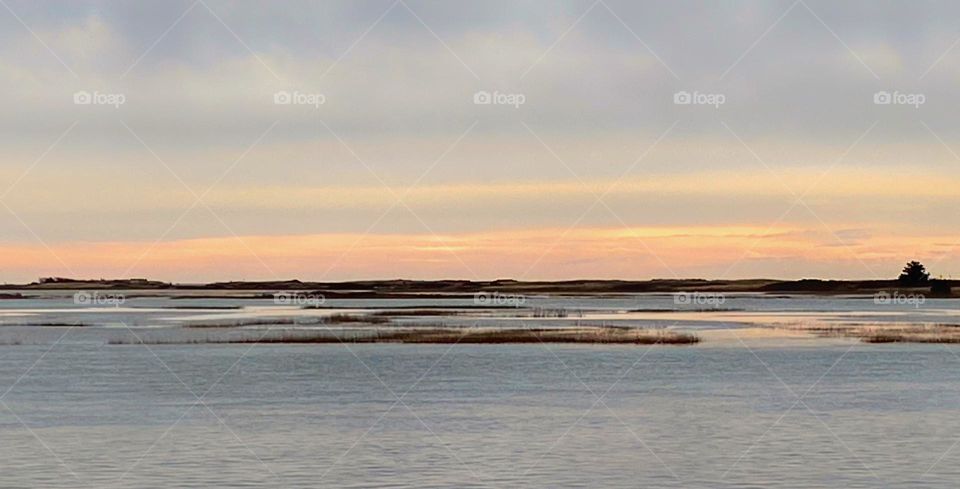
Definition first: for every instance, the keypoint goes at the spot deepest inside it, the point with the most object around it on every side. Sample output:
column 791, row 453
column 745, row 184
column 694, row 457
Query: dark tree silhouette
column 914, row 274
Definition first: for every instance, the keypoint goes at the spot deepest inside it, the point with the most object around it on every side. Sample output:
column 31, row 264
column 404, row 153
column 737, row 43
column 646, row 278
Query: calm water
column 77, row 412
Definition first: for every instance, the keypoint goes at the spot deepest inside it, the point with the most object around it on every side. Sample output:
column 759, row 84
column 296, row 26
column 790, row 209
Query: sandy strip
column 766, row 337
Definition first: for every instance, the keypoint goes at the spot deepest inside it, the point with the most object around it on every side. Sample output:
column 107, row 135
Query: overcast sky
column 184, row 166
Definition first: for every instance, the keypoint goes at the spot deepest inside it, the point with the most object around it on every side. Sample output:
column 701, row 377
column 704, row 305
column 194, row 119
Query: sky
column 203, row 140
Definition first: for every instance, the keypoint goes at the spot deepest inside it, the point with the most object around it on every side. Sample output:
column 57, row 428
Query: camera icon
column 682, row 98
column 82, row 97
column 82, row 298
column 882, row 98
column 482, row 98
column 282, row 97
column 681, row 298
column 481, row 298
column 282, row 298
column 882, row 298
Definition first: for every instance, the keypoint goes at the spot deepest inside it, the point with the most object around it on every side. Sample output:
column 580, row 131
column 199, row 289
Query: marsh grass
column 356, row 318
column 250, row 322
column 447, row 335
column 538, row 312
column 333, row 319
column 908, row 338
column 889, row 333
column 197, row 308
column 539, row 335
column 542, row 312
column 419, row 312
column 935, row 333
column 49, row 324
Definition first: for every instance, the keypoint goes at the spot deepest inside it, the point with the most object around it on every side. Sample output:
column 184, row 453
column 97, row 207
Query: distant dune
column 446, row 288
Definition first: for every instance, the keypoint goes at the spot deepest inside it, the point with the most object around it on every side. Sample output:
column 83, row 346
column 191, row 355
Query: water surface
column 78, row 412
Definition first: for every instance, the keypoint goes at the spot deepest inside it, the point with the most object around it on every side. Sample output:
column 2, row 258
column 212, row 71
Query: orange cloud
column 531, row 254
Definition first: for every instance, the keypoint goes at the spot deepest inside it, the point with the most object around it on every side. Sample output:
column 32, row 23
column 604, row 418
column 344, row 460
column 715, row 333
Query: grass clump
column 452, row 335
column 889, row 333
column 356, row 318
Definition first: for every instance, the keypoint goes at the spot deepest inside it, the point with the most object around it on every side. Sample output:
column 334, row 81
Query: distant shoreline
column 435, row 289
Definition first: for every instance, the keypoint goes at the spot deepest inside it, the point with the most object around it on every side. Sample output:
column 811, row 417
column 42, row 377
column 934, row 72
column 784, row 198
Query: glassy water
column 479, row 416
column 78, row 412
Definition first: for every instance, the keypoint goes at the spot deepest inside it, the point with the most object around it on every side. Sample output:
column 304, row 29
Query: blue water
column 480, row 416
column 78, row 412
